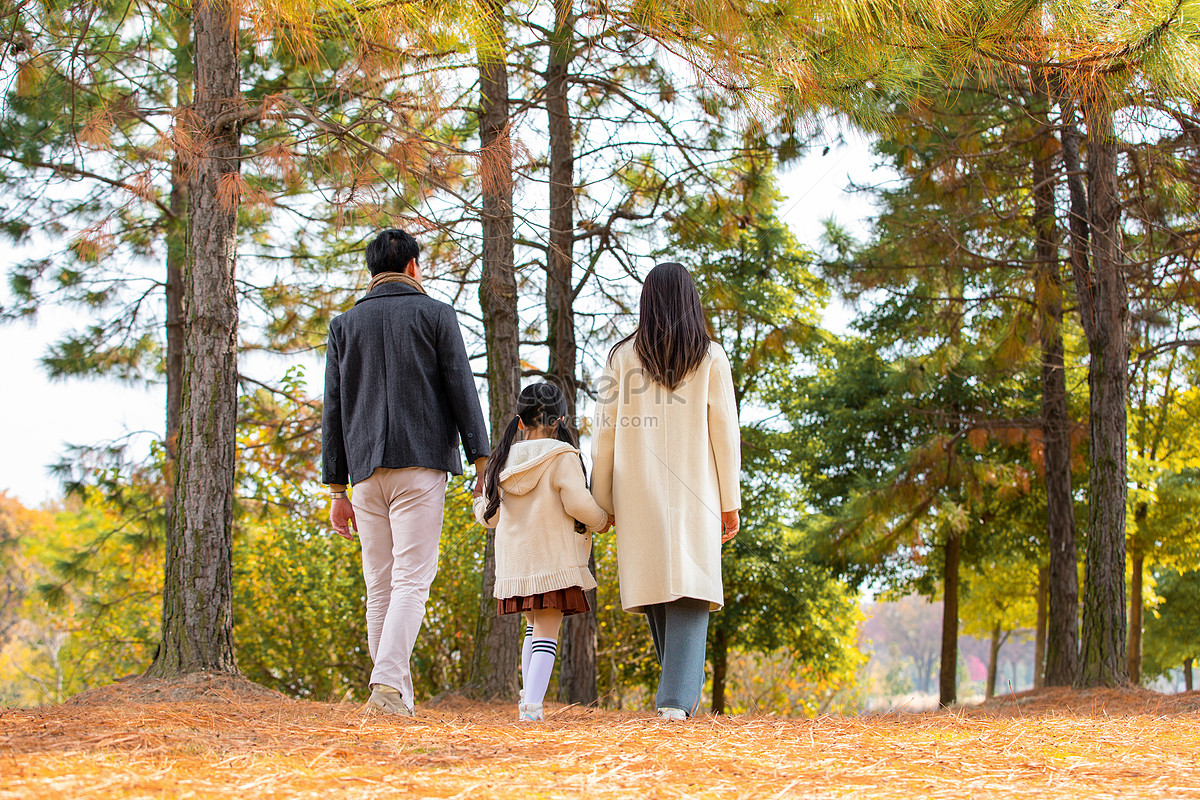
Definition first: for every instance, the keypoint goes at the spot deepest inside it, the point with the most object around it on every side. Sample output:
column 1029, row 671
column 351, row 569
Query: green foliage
column 926, row 422
column 299, row 599
column 1172, row 633
column 626, row 666
column 1164, row 463
column 764, row 304
column 441, row 660
column 861, row 453
column 298, row 609
column 95, row 137
column 90, row 609
column 783, row 683
column 1000, row 594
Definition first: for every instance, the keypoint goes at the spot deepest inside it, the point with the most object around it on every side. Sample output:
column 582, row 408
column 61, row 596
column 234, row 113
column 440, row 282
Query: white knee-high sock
column 526, row 650
column 541, row 665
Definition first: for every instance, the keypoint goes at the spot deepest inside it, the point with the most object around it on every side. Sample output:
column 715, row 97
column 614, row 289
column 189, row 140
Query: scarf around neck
column 395, row 277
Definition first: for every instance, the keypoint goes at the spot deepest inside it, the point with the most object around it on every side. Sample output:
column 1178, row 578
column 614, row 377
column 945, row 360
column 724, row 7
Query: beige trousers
column 399, row 515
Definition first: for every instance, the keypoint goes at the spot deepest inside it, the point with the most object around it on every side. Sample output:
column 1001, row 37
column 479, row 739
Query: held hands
column 341, row 517
column 581, row 528
column 730, row 523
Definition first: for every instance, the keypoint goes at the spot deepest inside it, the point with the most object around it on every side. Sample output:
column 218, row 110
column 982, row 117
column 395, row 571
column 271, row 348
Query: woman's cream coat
column 667, row 463
column 542, row 493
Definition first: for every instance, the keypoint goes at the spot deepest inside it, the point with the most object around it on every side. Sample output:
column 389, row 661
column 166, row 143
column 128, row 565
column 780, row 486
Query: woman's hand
column 730, row 523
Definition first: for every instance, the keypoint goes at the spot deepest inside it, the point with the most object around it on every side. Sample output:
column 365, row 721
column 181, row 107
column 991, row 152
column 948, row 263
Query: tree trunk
column 989, row 690
column 926, row 671
column 560, row 294
column 1133, row 653
column 176, row 263
column 577, row 647
column 1039, row 638
column 1106, row 323
column 1061, row 662
column 720, row 659
column 197, row 627
column 176, row 234
column 1187, row 673
column 497, row 649
column 948, row 676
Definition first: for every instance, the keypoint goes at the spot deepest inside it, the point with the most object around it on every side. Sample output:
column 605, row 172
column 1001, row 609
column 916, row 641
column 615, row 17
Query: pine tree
column 1097, row 56
column 760, row 293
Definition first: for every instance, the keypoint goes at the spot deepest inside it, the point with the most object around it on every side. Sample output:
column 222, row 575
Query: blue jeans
column 680, row 633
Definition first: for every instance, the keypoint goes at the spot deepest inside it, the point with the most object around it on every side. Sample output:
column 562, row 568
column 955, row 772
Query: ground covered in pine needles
column 215, row 736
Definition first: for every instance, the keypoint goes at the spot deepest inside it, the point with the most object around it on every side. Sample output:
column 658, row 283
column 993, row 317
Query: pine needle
column 211, row 736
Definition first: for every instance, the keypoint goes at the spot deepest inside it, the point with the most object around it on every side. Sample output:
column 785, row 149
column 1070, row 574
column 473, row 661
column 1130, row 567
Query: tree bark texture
column 497, row 650
column 176, row 265
column 720, row 668
column 1133, row 653
column 1187, row 673
column 197, row 629
column 177, row 253
column 948, row 675
column 1039, row 636
column 560, row 290
column 993, row 658
column 1062, row 640
column 577, row 640
column 1106, row 325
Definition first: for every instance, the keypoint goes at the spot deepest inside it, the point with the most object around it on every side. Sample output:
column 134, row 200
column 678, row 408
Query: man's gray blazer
column 398, row 388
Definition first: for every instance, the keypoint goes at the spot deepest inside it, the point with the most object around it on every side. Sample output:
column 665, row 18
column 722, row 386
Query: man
column 399, row 396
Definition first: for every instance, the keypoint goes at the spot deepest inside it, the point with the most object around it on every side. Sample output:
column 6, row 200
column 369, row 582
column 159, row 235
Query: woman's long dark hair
column 540, row 405
column 671, row 337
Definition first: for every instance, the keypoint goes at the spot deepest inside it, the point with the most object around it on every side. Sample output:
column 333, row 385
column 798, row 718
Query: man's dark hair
column 391, row 251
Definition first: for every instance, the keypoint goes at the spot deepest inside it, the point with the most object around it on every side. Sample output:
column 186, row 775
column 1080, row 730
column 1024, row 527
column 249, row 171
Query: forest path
column 220, row 737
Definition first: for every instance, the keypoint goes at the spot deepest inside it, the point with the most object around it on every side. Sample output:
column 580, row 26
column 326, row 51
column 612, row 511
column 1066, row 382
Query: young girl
column 534, row 492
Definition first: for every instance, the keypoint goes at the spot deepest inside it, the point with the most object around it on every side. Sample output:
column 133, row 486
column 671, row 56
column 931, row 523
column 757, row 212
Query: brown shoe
column 386, row 700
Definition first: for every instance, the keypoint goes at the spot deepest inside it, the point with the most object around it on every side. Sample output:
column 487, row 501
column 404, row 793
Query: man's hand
column 341, row 517
column 730, row 522
column 480, row 466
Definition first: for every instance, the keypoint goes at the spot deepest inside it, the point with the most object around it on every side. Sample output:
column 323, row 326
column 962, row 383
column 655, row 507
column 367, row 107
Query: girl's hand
column 730, row 523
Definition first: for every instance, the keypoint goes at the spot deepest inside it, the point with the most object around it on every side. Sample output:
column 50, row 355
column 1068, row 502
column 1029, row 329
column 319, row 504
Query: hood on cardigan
column 528, row 461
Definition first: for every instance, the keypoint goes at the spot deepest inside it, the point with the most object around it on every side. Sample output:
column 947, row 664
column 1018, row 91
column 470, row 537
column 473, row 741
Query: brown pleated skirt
column 569, row 601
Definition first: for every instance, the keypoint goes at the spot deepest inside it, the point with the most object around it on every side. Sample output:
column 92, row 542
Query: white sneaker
column 529, row 712
column 386, row 700
column 672, row 713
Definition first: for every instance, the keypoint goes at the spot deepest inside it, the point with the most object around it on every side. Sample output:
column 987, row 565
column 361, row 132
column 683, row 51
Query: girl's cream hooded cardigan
column 542, row 492
column 667, row 463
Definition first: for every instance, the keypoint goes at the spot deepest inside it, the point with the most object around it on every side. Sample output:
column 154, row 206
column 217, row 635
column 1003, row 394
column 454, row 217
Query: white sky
column 41, row 418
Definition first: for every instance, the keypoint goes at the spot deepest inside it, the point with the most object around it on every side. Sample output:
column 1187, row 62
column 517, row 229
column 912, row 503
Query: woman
column 666, row 457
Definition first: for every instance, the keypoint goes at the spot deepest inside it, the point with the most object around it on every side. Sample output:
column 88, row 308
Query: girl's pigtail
column 495, row 465
column 562, row 432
